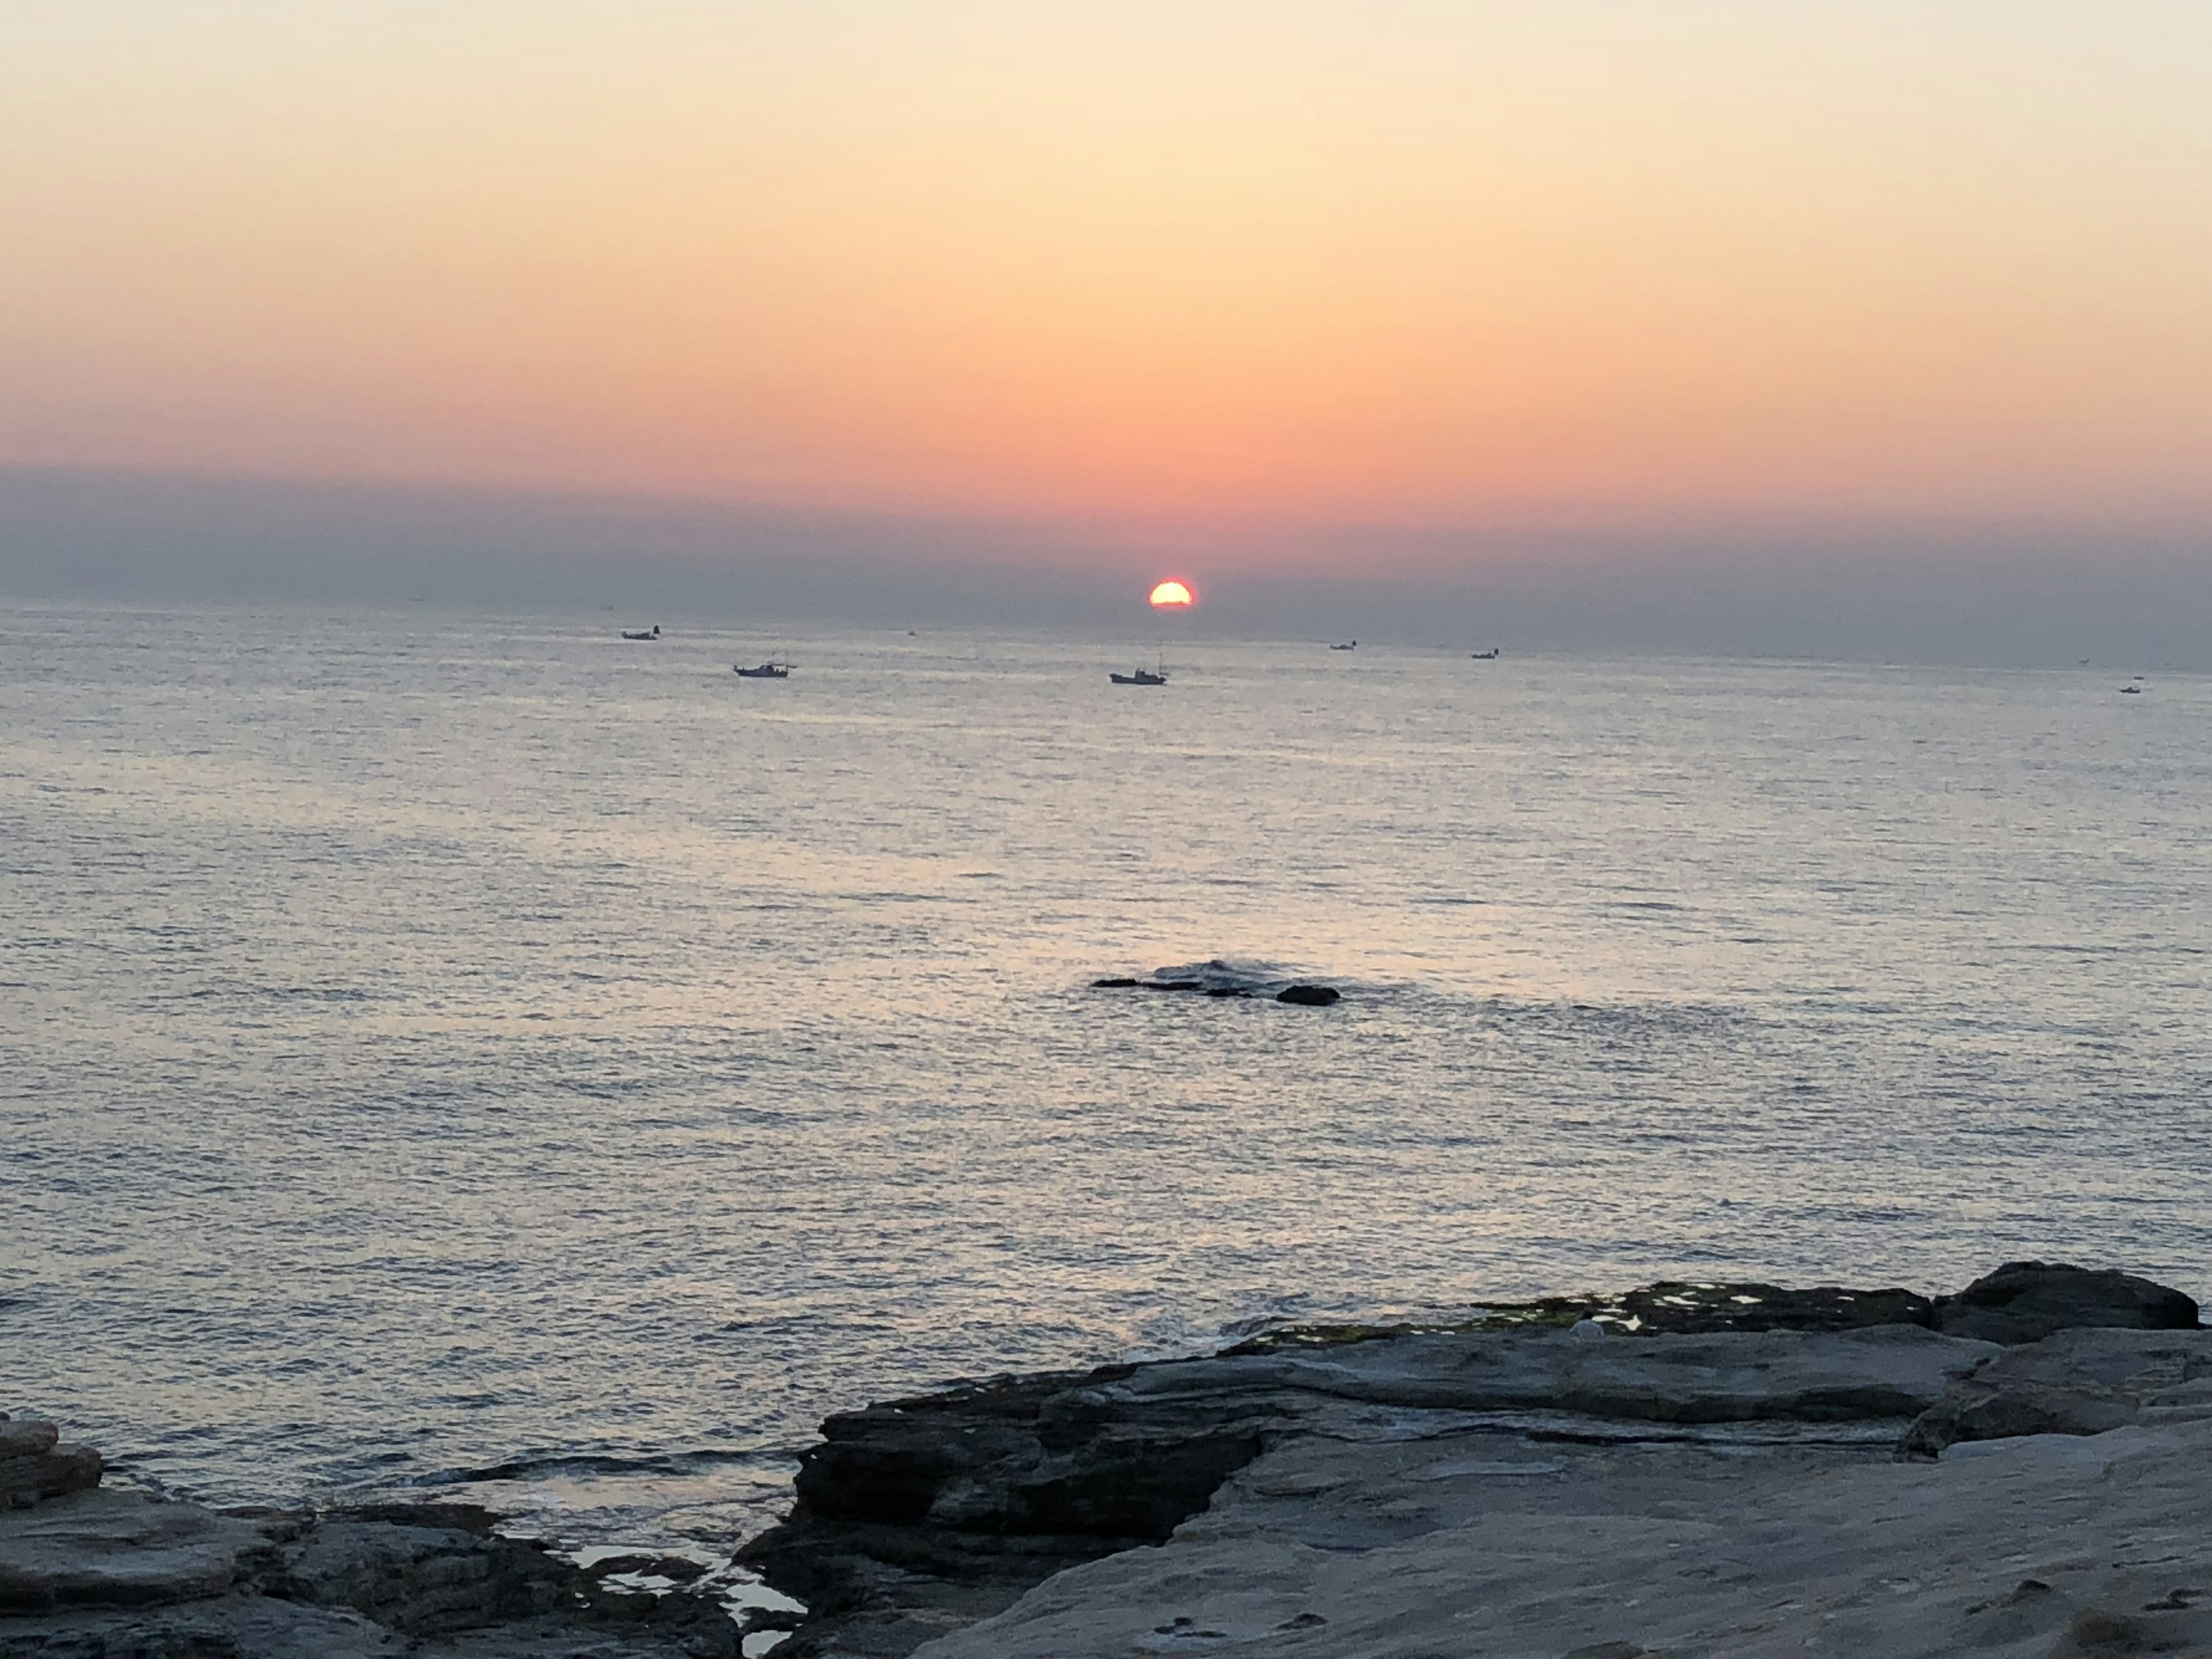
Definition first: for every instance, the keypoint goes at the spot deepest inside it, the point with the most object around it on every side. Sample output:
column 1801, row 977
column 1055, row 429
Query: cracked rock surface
column 1689, row 1469
column 1479, row 1542
column 111, row 1574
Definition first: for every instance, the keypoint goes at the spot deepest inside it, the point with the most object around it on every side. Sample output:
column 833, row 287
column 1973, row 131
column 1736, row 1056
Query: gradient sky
column 1728, row 261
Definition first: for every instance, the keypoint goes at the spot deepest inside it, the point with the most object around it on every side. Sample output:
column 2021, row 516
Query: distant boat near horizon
column 1142, row 677
column 1490, row 655
column 767, row 671
column 652, row 632
column 1349, row 645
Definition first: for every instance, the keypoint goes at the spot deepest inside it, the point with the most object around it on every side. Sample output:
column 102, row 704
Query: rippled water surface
column 441, row 1048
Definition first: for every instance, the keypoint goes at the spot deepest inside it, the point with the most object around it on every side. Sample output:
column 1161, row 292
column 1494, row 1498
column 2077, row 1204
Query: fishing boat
column 652, row 632
column 1490, row 655
column 1142, row 677
column 767, row 671
column 1350, row 645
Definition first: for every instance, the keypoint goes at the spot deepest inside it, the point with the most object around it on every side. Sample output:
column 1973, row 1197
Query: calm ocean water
column 449, row 1050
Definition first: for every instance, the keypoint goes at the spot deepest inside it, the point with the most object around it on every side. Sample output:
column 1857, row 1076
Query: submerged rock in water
column 1222, row 979
column 2027, row 1301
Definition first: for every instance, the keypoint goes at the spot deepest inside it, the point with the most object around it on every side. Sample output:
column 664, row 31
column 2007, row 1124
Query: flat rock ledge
column 108, row 1574
column 1688, row 1470
column 35, row 1466
column 1592, row 1478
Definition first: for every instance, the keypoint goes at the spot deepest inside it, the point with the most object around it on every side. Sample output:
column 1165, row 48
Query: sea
column 478, row 1057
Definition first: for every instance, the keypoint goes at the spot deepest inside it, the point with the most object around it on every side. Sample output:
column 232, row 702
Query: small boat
column 1142, row 677
column 1352, row 645
column 652, row 632
column 2131, row 690
column 1490, row 655
column 767, row 671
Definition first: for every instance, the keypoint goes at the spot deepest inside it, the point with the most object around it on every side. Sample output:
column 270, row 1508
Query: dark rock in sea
column 1222, row 979
column 2082, row 1382
column 2027, row 1301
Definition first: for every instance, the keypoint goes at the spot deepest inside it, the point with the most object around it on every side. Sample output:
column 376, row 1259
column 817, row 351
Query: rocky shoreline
column 965, row 1514
column 1689, row 1469
column 98, row 1573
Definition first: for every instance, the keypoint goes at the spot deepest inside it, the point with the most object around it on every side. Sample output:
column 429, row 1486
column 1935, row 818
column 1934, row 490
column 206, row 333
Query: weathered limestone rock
column 428, row 1578
column 26, row 1437
column 1469, row 1545
column 263, row 1627
column 917, row 1517
column 1478, row 1543
column 120, row 1549
column 28, row 1480
column 34, row 1467
column 921, row 1516
column 2080, row 1381
column 227, row 1627
column 438, row 1570
column 2027, row 1301
column 1884, row 1371
column 104, row 1574
column 100, row 1575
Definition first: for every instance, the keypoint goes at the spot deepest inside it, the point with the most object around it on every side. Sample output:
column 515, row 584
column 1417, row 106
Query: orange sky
column 1412, row 264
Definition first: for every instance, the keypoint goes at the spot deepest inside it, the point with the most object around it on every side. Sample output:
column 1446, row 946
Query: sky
column 1421, row 303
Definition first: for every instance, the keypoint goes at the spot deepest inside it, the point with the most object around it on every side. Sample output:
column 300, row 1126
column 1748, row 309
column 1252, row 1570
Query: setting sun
column 1172, row 594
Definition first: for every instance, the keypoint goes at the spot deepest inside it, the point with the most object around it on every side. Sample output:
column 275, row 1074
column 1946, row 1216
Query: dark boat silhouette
column 1352, row 644
column 1142, row 677
column 652, row 632
column 1490, row 655
column 767, row 671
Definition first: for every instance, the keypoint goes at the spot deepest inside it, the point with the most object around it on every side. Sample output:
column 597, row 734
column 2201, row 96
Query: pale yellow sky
column 1413, row 264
